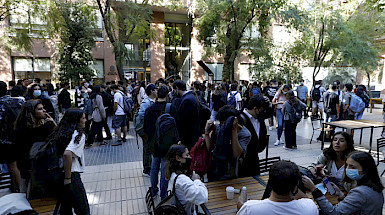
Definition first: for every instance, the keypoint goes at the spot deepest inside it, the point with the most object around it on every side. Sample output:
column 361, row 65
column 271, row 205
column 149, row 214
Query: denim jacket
column 144, row 105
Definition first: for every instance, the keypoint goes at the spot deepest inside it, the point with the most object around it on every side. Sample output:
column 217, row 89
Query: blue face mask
column 36, row 93
column 353, row 174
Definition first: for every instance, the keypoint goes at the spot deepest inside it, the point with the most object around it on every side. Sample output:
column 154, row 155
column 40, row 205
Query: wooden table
column 218, row 202
column 355, row 124
column 374, row 101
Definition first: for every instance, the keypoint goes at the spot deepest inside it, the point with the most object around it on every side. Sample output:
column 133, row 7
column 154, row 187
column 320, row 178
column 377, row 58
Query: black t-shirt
column 331, row 102
column 270, row 92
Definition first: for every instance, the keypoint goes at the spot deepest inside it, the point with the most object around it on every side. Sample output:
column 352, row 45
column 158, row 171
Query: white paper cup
column 230, row 192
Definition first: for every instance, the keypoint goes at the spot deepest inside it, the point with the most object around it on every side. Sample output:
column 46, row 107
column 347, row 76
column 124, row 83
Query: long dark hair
column 332, row 155
column 26, row 117
column 172, row 164
column 370, row 178
column 29, row 93
column 62, row 135
column 96, row 91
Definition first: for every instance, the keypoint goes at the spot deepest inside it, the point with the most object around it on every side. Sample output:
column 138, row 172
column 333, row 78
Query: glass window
column 31, row 68
column 244, row 73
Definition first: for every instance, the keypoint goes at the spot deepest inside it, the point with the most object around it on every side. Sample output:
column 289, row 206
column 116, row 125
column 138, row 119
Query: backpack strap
column 173, row 186
column 168, row 108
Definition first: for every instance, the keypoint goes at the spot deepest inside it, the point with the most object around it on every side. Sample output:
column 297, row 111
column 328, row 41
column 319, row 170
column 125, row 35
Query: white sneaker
column 277, row 143
column 281, row 142
column 145, row 175
column 270, row 128
column 287, row 148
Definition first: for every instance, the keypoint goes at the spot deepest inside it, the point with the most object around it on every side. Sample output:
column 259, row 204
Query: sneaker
column 124, row 140
column 284, row 146
column 277, row 143
column 145, row 174
column 281, row 142
column 270, row 128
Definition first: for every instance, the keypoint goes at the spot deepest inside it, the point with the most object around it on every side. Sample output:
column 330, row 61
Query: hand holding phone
column 329, row 186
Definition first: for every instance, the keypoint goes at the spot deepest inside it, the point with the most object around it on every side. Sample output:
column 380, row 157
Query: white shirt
column 337, row 173
column 237, row 98
column 254, row 121
column 118, row 98
column 189, row 192
column 267, row 207
column 141, row 95
column 78, row 152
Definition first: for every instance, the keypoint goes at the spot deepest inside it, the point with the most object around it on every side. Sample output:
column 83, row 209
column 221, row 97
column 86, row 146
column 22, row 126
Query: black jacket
column 188, row 121
column 64, row 99
column 150, row 116
column 250, row 165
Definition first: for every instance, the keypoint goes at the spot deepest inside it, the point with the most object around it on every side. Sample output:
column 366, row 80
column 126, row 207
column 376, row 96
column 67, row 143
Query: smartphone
column 329, row 186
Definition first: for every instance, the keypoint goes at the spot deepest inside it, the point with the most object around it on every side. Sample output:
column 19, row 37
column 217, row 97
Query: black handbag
column 170, row 205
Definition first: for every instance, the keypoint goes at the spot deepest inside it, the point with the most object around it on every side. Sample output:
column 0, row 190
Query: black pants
column 107, row 129
column 74, row 196
column 96, row 129
column 290, row 134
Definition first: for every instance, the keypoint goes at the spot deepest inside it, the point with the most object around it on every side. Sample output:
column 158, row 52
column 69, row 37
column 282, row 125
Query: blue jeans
column 331, row 117
column 359, row 115
column 280, row 123
column 156, row 164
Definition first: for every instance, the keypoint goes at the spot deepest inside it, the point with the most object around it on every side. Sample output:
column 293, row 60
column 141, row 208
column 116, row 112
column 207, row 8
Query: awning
column 205, row 67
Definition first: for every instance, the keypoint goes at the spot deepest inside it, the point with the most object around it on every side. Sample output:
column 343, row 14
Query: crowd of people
column 191, row 133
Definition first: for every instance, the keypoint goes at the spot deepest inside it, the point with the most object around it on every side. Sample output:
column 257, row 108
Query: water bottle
column 243, row 196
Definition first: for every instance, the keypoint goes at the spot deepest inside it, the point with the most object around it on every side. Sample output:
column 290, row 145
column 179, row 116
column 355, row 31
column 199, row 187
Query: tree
column 225, row 31
column 129, row 21
column 76, row 24
column 342, row 35
column 19, row 39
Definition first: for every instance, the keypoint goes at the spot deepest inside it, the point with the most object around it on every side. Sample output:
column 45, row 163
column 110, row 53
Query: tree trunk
column 228, row 67
column 370, row 92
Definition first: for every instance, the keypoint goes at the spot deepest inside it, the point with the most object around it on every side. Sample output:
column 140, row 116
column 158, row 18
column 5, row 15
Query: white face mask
column 36, row 93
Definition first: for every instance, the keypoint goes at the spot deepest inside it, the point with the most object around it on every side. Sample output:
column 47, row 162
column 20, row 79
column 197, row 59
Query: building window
column 98, row 67
column 24, row 18
column 217, row 69
column 31, row 68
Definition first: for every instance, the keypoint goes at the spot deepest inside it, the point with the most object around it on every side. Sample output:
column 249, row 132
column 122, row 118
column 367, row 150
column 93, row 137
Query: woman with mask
column 33, row 124
column 70, row 139
column 366, row 198
column 290, row 108
column 189, row 191
column 278, row 100
column 34, row 92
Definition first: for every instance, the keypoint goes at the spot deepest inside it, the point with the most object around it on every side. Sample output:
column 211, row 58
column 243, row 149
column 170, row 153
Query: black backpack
column 166, row 132
column 8, row 115
column 171, row 204
column 295, row 114
column 329, row 105
column 316, row 94
column 47, row 169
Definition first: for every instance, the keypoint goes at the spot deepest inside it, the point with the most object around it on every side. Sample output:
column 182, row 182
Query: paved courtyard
column 115, row 184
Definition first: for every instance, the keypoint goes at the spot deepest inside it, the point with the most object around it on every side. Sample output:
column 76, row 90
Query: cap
column 151, row 87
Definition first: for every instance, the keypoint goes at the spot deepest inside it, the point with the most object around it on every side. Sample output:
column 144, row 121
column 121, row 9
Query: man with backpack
column 361, row 92
column 255, row 90
column 9, row 110
column 332, row 106
column 352, row 103
column 160, row 128
column 317, row 99
column 234, row 97
column 108, row 102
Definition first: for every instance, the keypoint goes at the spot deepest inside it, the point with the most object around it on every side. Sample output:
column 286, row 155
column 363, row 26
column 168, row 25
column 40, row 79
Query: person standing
column 234, row 97
column 347, row 113
column 70, row 139
column 142, row 92
column 98, row 116
column 158, row 162
column 270, row 92
column 64, row 98
column 33, row 124
column 152, row 94
column 290, row 108
column 188, row 117
column 34, row 92
column 317, row 99
column 279, row 100
column 119, row 119
column 9, row 110
column 302, row 94
column 253, row 118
